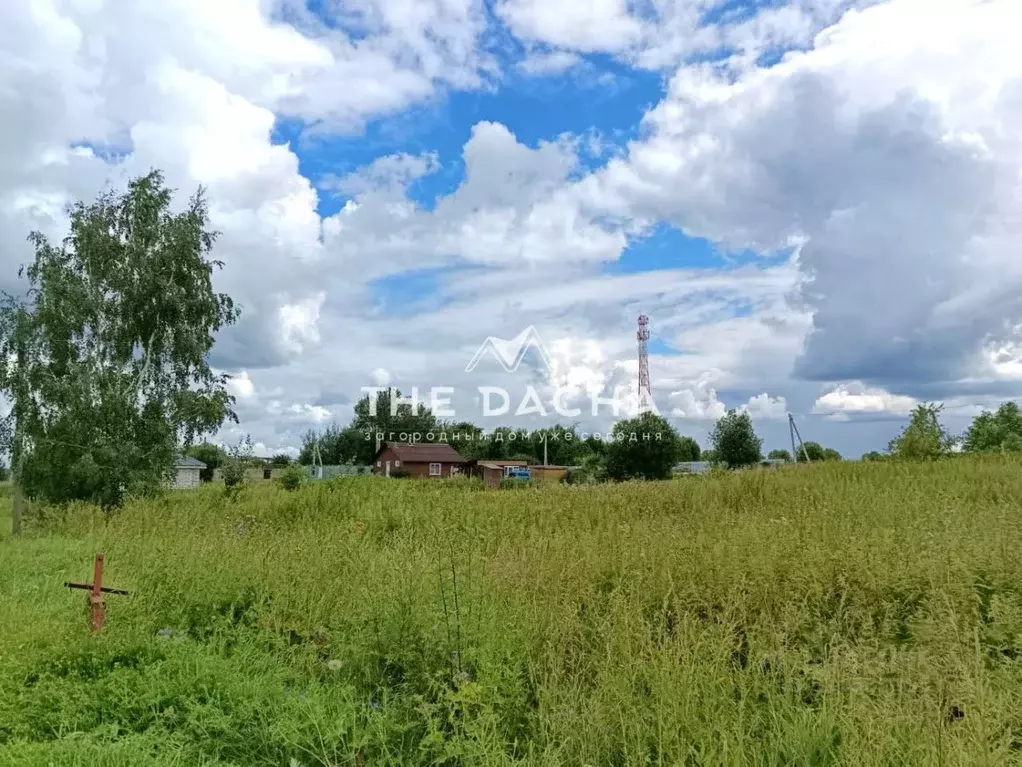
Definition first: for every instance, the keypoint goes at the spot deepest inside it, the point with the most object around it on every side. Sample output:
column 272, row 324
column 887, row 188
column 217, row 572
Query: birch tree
column 108, row 348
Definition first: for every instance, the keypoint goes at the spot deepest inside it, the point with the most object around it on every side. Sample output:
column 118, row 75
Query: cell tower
column 645, row 393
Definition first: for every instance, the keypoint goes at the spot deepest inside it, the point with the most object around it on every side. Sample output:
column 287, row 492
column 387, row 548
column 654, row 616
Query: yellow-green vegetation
column 857, row 614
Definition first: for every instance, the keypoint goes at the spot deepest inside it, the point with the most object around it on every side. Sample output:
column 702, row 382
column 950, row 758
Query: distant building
column 692, row 467
column 186, row 473
column 336, row 470
column 492, row 473
column 422, row 461
column 550, row 473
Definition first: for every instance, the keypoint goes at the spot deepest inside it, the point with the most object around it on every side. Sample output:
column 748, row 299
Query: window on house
column 434, row 469
column 397, row 464
column 379, row 464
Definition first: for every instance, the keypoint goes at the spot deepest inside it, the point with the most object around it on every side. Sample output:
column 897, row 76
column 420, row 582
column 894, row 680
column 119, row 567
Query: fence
column 328, row 472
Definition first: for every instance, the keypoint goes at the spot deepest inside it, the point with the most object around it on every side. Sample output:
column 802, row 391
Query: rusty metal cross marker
column 96, row 589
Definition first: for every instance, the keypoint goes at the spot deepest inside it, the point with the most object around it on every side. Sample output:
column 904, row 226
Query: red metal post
column 97, row 609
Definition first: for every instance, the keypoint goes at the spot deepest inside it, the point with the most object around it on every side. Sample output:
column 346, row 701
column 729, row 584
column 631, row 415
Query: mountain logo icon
column 511, row 353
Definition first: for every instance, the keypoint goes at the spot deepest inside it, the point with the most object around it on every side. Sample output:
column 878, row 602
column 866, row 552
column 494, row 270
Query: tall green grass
column 855, row 614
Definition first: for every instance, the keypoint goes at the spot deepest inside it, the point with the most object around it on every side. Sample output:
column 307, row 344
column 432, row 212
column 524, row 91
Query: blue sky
column 812, row 200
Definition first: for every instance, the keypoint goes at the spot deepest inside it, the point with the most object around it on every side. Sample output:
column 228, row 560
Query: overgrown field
column 852, row 614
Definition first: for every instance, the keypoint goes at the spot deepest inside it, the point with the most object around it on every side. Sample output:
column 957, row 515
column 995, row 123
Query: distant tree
column 814, row 451
column 356, row 442
column 592, row 470
column 830, row 454
column 5, row 473
column 466, row 438
column 989, row 431
column 337, row 446
column 233, row 470
column 645, row 447
column 711, row 456
column 281, row 460
column 735, row 441
column 502, row 443
column 873, row 456
column 1012, row 444
column 779, row 455
column 563, row 445
column 111, row 347
column 688, row 449
column 592, row 445
column 924, row 437
column 211, row 455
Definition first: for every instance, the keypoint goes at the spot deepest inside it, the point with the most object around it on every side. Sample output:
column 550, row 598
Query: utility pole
column 793, row 429
column 544, row 449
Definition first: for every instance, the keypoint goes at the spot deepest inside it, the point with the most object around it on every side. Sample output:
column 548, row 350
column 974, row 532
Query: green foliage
column 645, row 447
column 990, row 432
column 400, row 474
column 281, row 460
column 564, row 446
column 516, row 483
column 293, row 477
column 337, row 446
column 111, row 346
column 817, row 453
column 873, row 456
column 711, row 456
column 779, row 455
column 812, row 451
column 1012, row 443
column 234, row 467
column 591, row 471
column 688, row 449
column 924, row 437
column 735, row 442
column 593, row 446
column 211, row 455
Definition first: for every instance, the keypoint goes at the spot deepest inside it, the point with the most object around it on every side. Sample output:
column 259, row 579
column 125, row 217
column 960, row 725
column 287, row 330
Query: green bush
column 514, row 483
column 292, row 478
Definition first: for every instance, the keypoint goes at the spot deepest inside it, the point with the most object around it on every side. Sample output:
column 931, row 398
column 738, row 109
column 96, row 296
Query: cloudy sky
column 818, row 203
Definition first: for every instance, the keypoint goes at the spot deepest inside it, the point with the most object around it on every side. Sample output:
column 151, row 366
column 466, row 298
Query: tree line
column 647, row 446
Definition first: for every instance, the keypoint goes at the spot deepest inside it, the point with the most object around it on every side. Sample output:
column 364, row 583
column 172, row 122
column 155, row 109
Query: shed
column 186, row 472
column 423, row 461
column 550, row 473
column 491, row 472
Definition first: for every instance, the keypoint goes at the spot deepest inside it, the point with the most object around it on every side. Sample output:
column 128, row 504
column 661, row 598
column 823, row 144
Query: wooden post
column 96, row 589
column 97, row 611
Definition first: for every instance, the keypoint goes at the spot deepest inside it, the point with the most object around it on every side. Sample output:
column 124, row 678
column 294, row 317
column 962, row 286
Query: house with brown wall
column 422, row 461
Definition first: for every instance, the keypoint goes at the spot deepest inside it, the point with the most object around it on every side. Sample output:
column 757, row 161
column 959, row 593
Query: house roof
column 497, row 464
column 187, row 462
column 439, row 452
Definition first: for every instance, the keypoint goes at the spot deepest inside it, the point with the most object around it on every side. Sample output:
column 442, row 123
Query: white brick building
column 186, row 473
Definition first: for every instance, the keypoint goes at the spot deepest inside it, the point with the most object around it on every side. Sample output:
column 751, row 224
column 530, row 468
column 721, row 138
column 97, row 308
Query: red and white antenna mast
column 645, row 394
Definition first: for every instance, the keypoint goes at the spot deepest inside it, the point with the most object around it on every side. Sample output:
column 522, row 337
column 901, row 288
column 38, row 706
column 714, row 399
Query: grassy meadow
column 854, row 614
